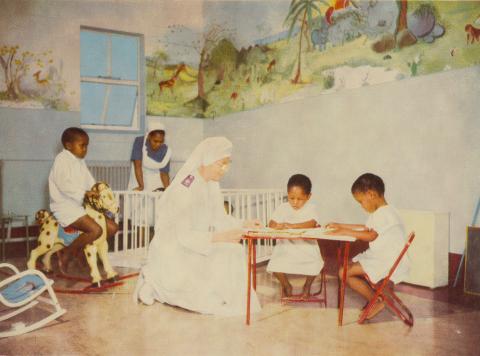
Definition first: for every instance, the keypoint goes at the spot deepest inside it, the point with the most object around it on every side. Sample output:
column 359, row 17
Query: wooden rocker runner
column 92, row 288
column 21, row 291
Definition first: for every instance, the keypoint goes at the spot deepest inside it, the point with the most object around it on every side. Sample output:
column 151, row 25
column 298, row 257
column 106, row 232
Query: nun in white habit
column 194, row 260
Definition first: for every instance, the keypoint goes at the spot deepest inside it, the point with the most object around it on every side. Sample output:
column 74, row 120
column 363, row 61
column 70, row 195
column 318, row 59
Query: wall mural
column 254, row 53
column 322, row 46
column 30, row 79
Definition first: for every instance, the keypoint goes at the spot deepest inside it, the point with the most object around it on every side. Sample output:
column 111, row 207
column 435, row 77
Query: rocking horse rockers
column 53, row 237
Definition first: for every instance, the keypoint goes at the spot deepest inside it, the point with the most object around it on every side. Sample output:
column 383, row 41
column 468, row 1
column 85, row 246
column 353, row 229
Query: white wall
column 30, row 140
column 420, row 135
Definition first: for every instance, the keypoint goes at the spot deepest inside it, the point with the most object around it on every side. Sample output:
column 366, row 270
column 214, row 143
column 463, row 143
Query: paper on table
column 286, row 232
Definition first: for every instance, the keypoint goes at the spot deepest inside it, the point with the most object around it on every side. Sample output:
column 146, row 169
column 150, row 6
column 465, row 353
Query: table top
column 291, row 234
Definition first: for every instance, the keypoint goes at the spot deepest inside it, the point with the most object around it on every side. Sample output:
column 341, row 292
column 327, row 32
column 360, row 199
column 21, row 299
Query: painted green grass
column 249, row 87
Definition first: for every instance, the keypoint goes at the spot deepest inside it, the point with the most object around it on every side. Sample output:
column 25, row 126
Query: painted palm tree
column 305, row 10
column 403, row 35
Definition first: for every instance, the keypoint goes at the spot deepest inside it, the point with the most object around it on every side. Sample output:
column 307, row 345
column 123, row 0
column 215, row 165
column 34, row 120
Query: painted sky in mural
column 212, row 58
column 255, row 53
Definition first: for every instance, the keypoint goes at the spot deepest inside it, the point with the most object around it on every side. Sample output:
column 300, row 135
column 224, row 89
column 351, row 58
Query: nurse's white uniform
column 150, row 167
column 377, row 260
column 295, row 256
column 151, row 174
column 184, row 267
column 68, row 181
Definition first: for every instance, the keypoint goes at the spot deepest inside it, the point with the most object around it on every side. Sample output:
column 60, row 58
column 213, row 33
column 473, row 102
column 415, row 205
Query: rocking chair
column 22, row 291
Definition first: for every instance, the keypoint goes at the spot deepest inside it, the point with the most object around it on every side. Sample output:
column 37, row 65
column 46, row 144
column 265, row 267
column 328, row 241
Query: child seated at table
column 295, row 256
column 69, row 182
column 385, row 232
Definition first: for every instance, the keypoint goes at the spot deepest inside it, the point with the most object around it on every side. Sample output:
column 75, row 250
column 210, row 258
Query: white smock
column 68, row 181
column 150, row 167
column 295, row 256
column 184, row 267
column 377, row 260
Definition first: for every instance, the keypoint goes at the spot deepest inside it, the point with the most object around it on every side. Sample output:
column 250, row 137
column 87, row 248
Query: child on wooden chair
column 69, row 181
column 385, row 233
column 301, row 256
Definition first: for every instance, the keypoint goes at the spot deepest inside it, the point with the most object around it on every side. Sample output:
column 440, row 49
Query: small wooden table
column 293, row 234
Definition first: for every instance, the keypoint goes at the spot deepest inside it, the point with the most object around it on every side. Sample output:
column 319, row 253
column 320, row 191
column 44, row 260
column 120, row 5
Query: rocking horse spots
column 50, row 242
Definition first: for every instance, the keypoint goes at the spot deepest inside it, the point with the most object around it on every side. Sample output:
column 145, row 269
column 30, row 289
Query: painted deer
column 473, row 33
column 271, row 65
column 49, row 240
column 36, row 75
column 170, row 83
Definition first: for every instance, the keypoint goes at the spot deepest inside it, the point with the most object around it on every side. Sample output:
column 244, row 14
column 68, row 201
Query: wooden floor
column 111, row 324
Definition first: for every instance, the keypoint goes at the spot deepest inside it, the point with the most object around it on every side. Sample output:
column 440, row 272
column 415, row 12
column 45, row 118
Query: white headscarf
column 147, row 162
column 207, row 152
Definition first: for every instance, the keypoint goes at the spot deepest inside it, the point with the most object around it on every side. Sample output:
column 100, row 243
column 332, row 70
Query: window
column 110, row 80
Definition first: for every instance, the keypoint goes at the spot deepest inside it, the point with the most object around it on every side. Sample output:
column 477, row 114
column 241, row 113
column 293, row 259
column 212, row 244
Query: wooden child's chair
column 384, row 291
column 22, row 291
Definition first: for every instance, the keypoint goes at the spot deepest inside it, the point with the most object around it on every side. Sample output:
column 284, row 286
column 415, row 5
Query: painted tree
column 303, row 11
column 208, row 42
column 157, row 59
column 402, row 16
column 182, row 41
column 16, row 65
column 404, row 37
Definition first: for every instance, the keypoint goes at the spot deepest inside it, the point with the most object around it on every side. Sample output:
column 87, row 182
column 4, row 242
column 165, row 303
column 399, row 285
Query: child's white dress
column 384, row 250
column 295, row 256
column 68, row 181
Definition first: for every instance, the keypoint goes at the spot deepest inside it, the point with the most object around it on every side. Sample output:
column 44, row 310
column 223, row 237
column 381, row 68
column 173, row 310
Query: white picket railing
column 137, row 223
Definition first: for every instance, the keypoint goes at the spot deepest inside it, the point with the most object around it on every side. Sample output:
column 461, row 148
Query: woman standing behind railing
column 150, row 160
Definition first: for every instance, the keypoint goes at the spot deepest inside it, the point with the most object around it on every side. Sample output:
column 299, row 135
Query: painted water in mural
column 257, row 53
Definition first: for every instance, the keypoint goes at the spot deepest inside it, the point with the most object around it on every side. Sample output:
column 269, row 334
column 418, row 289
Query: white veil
column 208, row 151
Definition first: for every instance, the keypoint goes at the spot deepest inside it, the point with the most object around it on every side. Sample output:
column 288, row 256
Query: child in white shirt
column 295, row 256
column 69, row 182
column 385, row 232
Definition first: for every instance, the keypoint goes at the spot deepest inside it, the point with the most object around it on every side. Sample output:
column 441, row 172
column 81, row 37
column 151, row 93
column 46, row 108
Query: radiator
column 115, row 173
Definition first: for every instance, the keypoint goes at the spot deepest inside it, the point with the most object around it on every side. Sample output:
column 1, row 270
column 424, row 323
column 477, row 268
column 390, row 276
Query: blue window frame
column 110, row 80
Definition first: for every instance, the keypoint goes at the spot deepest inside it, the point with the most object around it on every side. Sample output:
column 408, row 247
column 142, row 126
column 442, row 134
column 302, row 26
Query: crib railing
column 254, row 204
column 137, row 222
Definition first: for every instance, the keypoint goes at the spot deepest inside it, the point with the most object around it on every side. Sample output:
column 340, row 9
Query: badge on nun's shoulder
column 188, row 180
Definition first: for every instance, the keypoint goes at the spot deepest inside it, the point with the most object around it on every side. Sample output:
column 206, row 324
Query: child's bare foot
column 377, row 308
column 306, row 292
column 64, row 259
column 287, row 290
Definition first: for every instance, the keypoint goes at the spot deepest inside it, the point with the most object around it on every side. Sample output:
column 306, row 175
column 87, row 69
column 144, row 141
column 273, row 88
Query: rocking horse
column 53, row 237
